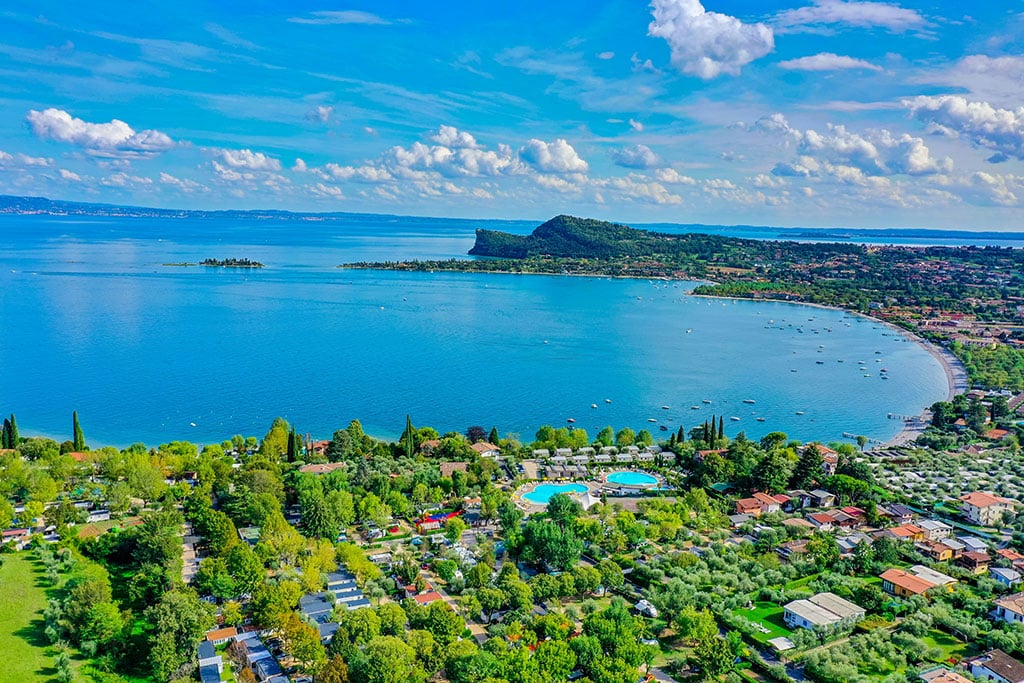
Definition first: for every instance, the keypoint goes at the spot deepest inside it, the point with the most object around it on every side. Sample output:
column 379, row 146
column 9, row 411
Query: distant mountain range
column 11, row 204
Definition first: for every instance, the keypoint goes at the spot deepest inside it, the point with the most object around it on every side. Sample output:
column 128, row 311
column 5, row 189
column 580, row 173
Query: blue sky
column 797, row 112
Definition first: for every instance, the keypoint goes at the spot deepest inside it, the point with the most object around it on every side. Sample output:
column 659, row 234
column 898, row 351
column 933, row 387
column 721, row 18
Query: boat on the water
column 570, row 420
column 749, row 400
column 706, row 400
column 734, row 418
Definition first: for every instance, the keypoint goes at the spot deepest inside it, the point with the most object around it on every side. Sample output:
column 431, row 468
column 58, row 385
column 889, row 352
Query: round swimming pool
column 630, row 478
column 542, row 493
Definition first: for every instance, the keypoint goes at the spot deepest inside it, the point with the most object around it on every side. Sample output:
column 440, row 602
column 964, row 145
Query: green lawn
column 951, row 647
column 27, row 654
column 768, row 615
column 800, row 583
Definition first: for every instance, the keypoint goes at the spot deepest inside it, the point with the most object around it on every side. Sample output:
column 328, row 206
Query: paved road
column 661, row 675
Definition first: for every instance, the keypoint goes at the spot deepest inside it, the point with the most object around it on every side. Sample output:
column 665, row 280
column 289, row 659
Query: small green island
column 222, row 263
column 970, row 299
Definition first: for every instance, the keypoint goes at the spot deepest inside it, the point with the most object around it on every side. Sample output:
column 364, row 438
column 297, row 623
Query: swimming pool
column 628, row 478
column 542, row 494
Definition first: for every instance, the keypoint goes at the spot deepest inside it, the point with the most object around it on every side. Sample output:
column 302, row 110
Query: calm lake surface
column 91, row 319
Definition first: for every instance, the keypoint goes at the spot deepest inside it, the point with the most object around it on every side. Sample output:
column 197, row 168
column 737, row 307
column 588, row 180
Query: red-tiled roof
column 980, row 499
column 907, row 581
column 222, row 633
column 426, row 598
column 321, row 468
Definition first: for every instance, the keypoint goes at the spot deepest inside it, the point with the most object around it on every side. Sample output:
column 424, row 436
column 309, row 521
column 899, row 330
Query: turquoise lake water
column 543, row 493
column 629, row 478
column 91, row 320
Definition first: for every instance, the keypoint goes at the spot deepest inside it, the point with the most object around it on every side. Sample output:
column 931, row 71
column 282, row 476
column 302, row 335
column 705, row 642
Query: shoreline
column 603, row 276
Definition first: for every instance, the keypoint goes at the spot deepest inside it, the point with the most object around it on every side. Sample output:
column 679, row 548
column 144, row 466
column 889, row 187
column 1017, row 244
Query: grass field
column 27, row 654
column 952, row 648
column 769, row 615
column 800, row 583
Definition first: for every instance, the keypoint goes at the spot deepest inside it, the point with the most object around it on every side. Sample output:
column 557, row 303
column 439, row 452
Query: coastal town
column 470, row 557
column 673, row 341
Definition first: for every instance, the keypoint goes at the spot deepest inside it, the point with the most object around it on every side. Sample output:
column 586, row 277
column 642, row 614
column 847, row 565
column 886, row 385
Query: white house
column 996, row 665
column 934, row 530
column 984, row 508
column 821, row 611
column 1010, row 608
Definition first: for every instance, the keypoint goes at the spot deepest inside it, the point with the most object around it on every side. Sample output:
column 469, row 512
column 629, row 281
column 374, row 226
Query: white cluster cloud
column 249, row 160
column 847, row 155
column 125, row 180
column 417, row 159
column 636, row 156
column 553, row 157
column 707, row 44
column 673, row 177
column 992, row 189
column 423, row 170
column 827, row 61
column 450, row 136
column 998, row 80
column 182, row 184
column 824, row 13
column 1000, row 130
column 20, row 160
column 115, row 139
column 324, row 190
column 365, row 173
column 639, row 188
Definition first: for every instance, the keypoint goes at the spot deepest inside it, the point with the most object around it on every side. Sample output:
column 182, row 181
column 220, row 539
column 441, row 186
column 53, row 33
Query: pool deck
column 530, row 507
column 614, row 485
column 597, row 485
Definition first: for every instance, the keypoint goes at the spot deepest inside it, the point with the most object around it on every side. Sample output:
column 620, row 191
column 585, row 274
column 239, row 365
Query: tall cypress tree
column 409, row 438
column 293, row 445
column 681, row 435
column 5, row 435
column 493, row 436
column 721, row 427
column 15, row 438
column 79, row 437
